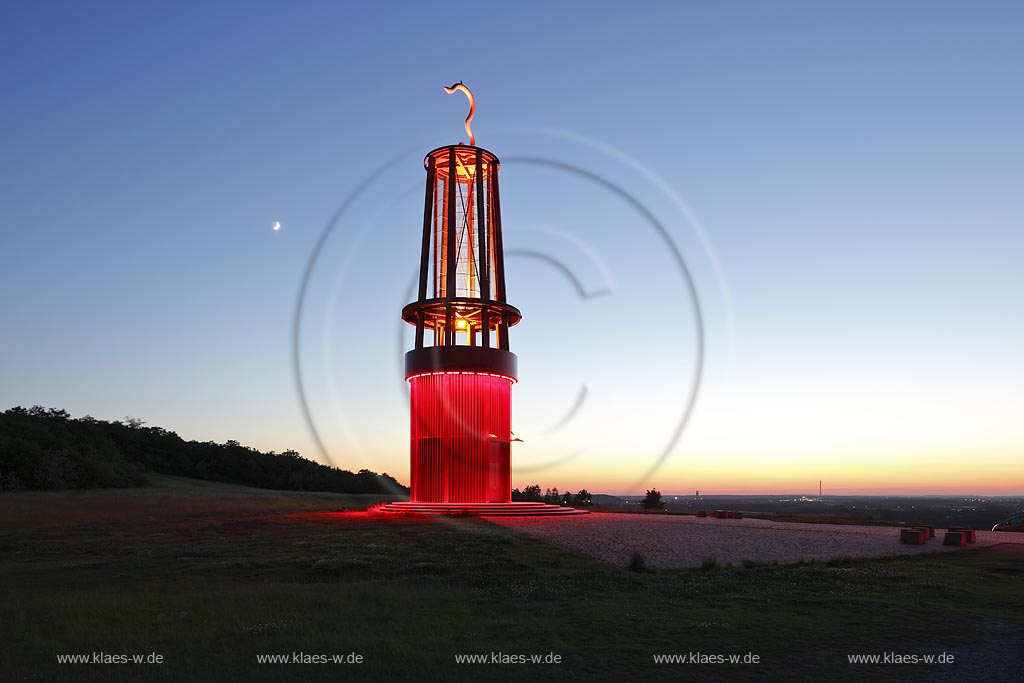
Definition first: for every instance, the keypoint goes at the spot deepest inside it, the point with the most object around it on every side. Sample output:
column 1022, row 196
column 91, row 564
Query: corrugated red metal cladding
column 460, row 438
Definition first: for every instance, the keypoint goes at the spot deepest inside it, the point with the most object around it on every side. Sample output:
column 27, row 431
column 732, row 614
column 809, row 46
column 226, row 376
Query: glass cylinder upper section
column 461, row 297
column 458, row 195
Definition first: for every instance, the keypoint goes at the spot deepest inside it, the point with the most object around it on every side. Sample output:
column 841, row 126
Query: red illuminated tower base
column 456, row 456
column 460, row 371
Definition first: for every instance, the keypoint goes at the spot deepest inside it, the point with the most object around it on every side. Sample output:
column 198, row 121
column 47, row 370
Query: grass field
column 210, row 576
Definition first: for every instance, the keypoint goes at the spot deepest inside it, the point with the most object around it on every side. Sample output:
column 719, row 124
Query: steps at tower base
column 479, row 509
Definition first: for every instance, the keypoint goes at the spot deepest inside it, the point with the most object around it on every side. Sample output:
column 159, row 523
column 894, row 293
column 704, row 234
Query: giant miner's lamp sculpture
column 461, row 371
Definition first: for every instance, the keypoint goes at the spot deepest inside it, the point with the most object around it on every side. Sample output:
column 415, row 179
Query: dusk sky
column 844, row 184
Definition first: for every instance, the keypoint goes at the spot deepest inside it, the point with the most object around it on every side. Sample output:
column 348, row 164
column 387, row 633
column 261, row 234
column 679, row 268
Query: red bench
column 913, row 536
column 721, row 514
column 958, row 538
column 971, row 534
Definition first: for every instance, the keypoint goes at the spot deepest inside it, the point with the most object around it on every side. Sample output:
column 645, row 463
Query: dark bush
column 637, row 563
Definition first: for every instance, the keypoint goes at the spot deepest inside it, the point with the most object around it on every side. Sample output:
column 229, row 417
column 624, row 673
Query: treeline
column 532, row 494
column 44, row 448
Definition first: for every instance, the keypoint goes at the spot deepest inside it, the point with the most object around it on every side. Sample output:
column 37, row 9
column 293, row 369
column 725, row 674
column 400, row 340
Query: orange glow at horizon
column 998, row 476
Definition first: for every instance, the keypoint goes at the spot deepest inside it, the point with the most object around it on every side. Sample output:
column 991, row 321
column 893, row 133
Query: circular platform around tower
column 517, row 509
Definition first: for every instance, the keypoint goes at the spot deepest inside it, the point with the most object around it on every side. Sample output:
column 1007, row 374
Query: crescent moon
column 277, row 225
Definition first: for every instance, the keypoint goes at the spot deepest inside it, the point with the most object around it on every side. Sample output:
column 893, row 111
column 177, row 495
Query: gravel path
column 682, row 541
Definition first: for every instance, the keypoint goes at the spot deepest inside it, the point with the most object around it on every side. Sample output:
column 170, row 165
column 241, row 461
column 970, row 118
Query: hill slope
column 44, row 448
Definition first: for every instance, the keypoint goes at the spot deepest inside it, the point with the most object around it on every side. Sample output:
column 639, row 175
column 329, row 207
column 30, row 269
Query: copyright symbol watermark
column 600, row 258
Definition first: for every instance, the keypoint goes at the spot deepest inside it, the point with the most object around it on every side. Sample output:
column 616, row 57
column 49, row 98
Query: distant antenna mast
column 819, row 488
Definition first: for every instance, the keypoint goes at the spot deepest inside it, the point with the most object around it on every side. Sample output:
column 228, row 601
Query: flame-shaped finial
column 472, row 108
